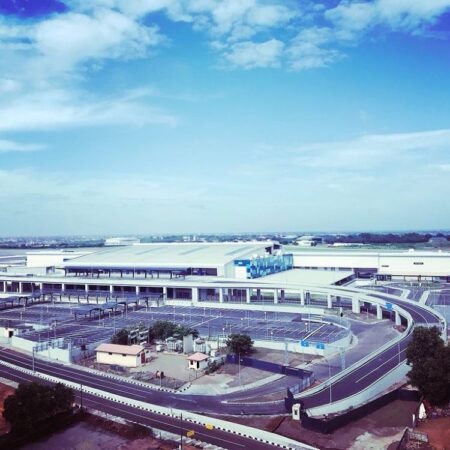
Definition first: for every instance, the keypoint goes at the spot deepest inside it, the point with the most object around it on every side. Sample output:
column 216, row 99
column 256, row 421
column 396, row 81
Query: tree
column 162, row 329
column 240, row 344
column 185, row 331
column 34, row 402
column 430, row 361
column 120, row 337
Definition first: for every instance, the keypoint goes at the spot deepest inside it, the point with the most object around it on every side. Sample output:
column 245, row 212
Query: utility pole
column 181, row 432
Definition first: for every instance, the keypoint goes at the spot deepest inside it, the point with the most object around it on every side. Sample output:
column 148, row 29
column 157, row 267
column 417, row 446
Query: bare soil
column 376, row 431
column 438, row 431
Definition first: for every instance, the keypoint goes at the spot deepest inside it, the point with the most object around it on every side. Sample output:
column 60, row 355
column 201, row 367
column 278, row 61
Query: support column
column 194, row 296
column 282, row 295
column 356, row 307
column 247, row 295
column 20, row 287
column 111, row 289
column 379, row 312
column 275, row 296
column 398, row 319
column 164, row 293
column 329, row 301
column 302, row 298
column 220, row 295
column 137, row 290
column 258, row 295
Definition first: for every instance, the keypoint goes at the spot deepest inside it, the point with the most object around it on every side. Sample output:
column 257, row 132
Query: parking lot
column 59, row 322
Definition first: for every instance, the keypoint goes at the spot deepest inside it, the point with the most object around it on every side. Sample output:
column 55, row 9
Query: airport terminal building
column 220, row 272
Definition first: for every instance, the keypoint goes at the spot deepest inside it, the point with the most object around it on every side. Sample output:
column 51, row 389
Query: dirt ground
column 438, row 431
column 5, row 391
column 377, row 431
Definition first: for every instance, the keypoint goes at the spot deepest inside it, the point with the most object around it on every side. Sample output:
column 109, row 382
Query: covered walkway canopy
column 97, row 271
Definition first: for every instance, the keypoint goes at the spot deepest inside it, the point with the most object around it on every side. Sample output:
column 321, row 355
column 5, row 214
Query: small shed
column 122, row 355
column 198, row 361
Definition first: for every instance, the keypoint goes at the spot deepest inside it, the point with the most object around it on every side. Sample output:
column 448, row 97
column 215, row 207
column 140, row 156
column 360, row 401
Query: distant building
column 121, row 355
column 308, row 241
column 121, row 241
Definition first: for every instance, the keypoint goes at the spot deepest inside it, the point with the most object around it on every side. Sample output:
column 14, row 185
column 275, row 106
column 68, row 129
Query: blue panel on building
column 260, row 267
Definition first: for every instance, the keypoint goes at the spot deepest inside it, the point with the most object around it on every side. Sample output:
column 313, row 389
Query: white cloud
column 7, row 146
column 377, row 150
column 8, row 86
column 444, row 167
column 354, row 17
column 70, row 39
column 60, row 108
column 250, row 55
column 310, row 49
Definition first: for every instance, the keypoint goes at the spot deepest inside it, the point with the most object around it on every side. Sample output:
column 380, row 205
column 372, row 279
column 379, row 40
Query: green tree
column 34, row 402
column 120, row 337
column 162, row 329
column 185, row 331
column 240, row 344
column 430, row 361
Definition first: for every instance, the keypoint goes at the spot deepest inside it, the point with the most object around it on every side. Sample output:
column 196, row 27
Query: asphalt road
column 369, row 372
column 212, row 404
column 171, row 424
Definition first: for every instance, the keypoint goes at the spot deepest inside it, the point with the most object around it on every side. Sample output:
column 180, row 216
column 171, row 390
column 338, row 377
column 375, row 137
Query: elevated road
column 361, row 376
column 350, row 382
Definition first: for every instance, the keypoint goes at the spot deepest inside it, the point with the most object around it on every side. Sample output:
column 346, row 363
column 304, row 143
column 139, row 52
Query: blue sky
column 178, row 116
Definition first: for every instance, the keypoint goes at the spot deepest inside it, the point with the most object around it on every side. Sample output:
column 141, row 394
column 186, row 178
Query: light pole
column 329, row 380
column 181, row 431
column 239, row 356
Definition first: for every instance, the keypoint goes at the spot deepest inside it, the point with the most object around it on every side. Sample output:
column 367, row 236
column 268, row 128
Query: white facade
column 119, row 241
column 408, row 263
column 52, row 258
column 121, row 355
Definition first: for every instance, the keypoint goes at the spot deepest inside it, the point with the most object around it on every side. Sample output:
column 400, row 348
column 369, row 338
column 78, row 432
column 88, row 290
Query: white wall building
column 121, row 241
column 198, row 361
column 388, row 265
column 121, row 355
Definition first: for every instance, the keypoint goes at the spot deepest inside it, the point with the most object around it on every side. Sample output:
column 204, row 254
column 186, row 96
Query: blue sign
column 320, row 346
column 304, row 343
column 389, row 306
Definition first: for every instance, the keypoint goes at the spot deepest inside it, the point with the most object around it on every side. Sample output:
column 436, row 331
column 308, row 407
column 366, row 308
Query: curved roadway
column 347, row 384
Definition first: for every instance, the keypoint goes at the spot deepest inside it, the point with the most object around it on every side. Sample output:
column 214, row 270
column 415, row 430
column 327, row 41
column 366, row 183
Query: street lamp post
column 329, row 380
column 239, row 365
column 181, row 431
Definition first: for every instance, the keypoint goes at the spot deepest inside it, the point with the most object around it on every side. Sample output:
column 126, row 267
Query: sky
column 195, row 116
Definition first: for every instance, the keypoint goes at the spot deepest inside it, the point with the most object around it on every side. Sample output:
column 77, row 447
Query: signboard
column 389, row 306
column 209, row 426
column 190, row 433
column 304, row 343
column 320, row 346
